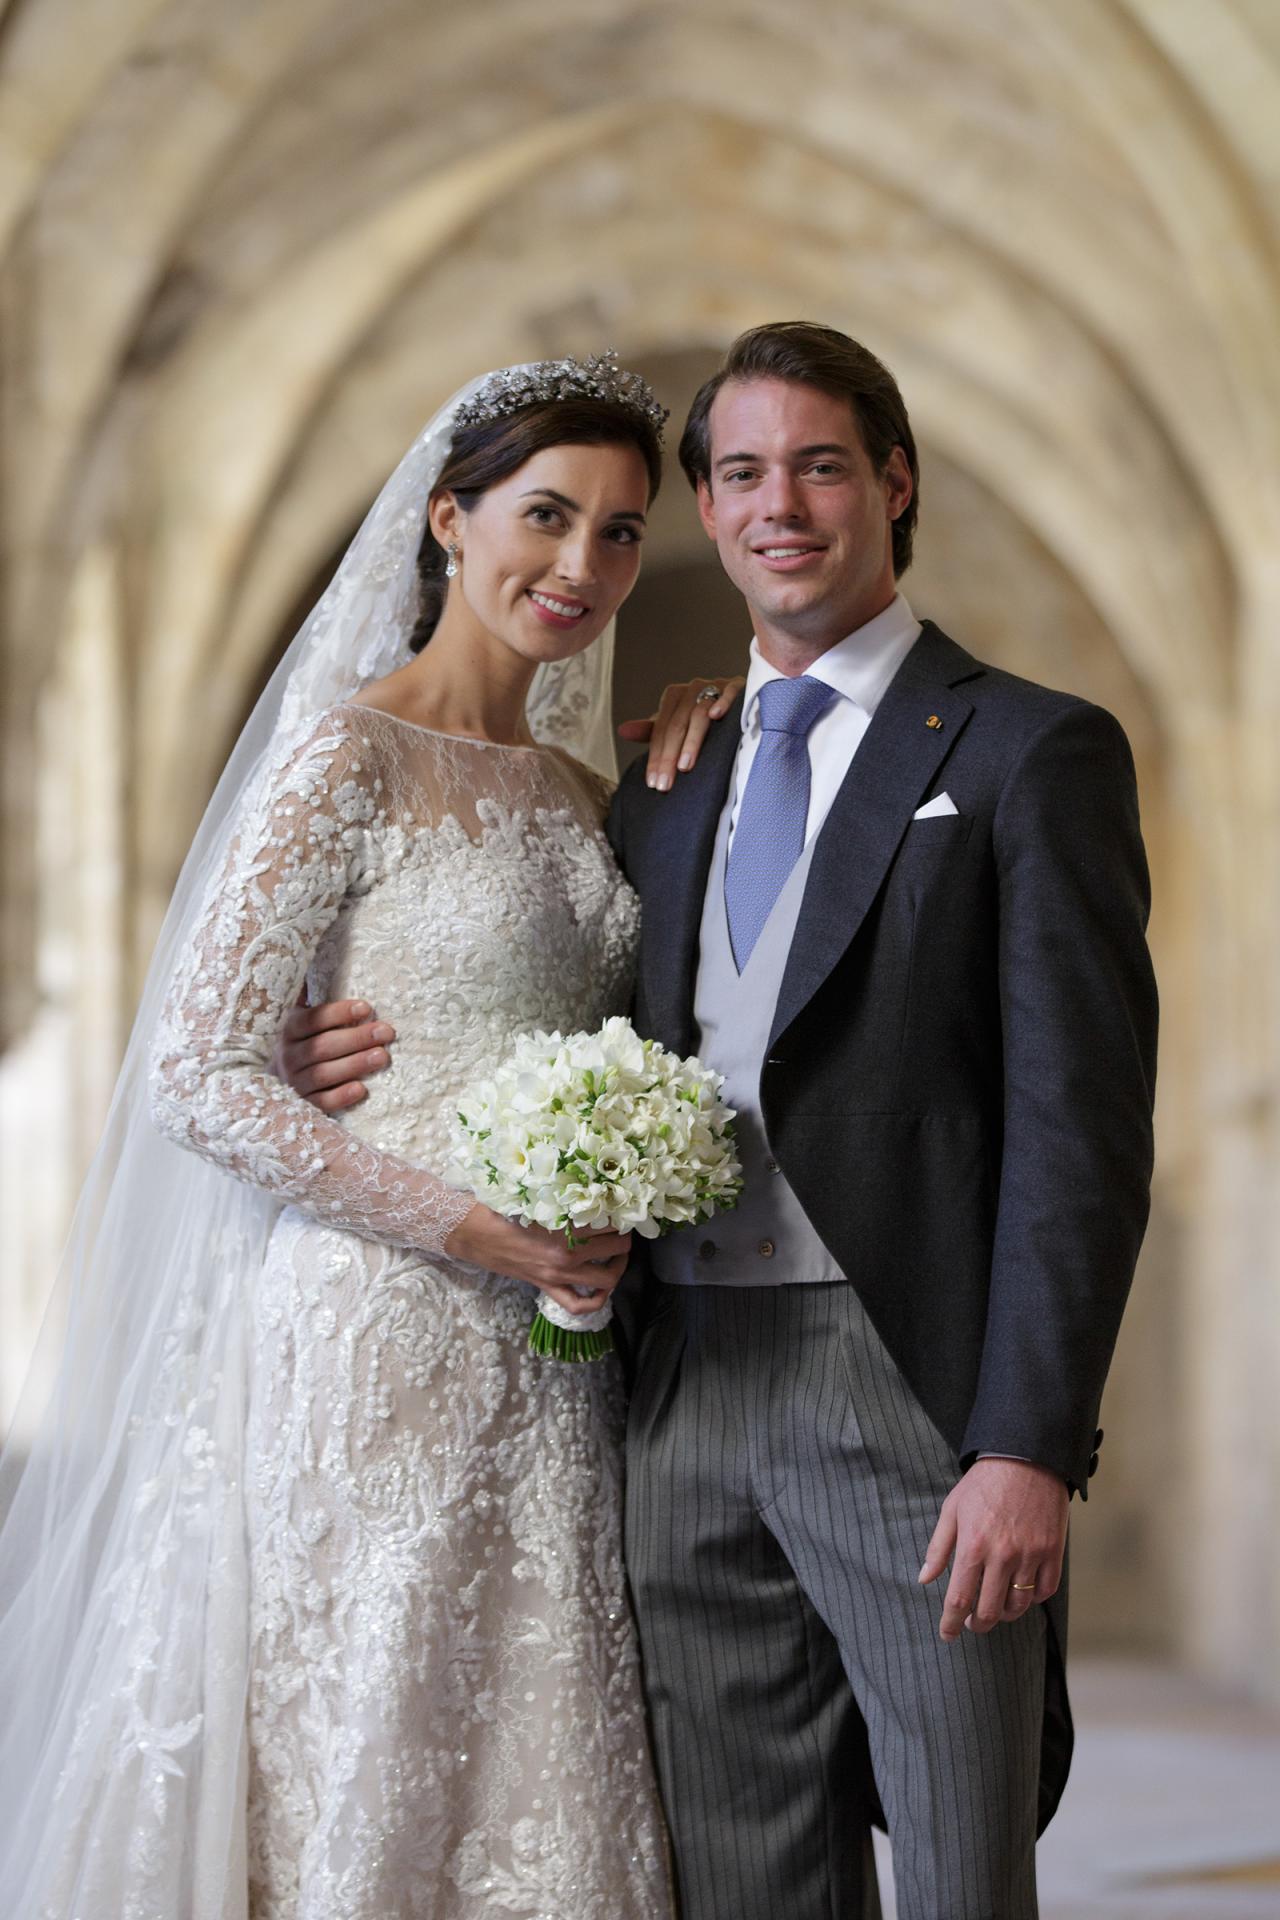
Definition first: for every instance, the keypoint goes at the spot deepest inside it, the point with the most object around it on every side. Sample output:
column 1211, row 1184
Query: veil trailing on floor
column 124, row 1640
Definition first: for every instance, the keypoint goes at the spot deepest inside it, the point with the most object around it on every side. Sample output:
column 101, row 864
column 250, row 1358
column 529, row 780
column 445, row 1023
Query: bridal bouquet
column 591, row 1130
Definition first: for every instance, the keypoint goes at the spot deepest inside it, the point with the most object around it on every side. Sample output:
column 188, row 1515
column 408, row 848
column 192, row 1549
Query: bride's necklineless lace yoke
column 463, row 739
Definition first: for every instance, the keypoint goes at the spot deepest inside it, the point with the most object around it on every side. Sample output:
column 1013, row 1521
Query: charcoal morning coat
column 961, row 1066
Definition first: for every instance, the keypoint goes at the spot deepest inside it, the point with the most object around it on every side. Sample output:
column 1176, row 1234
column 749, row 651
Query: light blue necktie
column 769, row 836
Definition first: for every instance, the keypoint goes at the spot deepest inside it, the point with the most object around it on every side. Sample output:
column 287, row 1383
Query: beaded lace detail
column 464, row 888
column 444, row 1706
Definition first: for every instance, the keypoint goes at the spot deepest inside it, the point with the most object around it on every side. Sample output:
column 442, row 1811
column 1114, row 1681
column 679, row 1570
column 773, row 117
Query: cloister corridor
column 246, row 249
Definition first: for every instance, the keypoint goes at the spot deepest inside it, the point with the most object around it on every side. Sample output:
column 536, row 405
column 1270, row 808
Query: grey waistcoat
column 766, row 1241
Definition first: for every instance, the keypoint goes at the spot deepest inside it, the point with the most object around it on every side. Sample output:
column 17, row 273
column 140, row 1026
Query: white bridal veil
column 123, row 1575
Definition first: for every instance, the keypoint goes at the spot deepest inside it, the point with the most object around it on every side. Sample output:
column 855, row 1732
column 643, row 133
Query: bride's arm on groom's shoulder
column 212, row 1086
column 677, row 730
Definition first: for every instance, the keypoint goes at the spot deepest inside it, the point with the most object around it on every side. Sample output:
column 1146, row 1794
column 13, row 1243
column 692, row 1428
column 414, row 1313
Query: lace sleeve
column 211, row 1086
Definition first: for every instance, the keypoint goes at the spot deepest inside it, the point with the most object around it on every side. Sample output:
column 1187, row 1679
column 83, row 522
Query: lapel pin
column 934, row 722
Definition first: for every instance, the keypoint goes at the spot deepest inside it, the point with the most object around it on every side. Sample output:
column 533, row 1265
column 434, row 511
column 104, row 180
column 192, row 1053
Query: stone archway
column 247, row 250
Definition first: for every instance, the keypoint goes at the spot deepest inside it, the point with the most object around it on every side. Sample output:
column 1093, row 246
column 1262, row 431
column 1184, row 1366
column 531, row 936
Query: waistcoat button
column 765, row 1249
column 771, row 1166
column 707, row 1251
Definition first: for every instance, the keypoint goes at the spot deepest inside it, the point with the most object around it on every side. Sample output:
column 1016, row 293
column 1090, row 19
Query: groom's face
column 801, row 520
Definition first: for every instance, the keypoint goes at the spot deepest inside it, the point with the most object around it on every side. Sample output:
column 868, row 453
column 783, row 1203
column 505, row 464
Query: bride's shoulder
column 597, row 789
column 360, row 708
column 335, row 747
column 353, row 725
column 331, row 731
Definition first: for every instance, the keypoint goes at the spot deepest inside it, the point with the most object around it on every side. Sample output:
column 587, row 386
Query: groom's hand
column 1004, row 1529
column 326, row 1053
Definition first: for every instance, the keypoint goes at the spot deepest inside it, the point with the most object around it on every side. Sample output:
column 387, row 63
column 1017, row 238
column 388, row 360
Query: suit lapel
column 684, row 834
column 898, row 757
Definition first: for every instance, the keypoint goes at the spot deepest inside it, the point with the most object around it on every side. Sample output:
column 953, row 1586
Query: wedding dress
column 310, row 1597
column 444, row 1714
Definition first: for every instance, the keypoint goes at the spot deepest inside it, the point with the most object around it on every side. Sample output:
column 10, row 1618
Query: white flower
column 544, row 1161
column 582, row 1131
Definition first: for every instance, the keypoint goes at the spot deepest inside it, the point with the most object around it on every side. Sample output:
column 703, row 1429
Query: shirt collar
column 859, row 667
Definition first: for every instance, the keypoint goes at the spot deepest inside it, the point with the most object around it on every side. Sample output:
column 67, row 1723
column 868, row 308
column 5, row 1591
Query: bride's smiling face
column 548, row 555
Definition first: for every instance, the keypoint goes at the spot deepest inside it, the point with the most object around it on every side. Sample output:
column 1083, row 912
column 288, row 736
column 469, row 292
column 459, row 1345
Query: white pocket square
column 942, row 803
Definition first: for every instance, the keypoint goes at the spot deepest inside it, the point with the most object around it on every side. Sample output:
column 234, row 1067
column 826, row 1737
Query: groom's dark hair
column 814, row 356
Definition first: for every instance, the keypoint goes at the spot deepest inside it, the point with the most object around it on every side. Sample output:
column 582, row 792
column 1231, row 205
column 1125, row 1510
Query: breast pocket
column 937, row 833
column 930, row 851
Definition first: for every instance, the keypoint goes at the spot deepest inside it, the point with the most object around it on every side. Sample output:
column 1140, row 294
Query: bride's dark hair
column 483, row 455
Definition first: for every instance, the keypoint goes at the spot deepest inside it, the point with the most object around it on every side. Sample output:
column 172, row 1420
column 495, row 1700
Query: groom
column 900, row 904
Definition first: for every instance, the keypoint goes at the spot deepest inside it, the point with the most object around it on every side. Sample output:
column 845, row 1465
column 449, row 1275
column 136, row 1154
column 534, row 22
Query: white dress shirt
column 860, row 668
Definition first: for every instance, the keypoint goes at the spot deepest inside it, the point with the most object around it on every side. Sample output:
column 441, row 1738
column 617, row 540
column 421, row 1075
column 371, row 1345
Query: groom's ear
column 706, row 508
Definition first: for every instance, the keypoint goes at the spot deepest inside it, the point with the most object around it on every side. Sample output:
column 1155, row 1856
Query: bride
column 312, row 1596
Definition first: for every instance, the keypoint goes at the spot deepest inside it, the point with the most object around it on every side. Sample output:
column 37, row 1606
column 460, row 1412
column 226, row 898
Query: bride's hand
column 676, row 732
column 598, row 1261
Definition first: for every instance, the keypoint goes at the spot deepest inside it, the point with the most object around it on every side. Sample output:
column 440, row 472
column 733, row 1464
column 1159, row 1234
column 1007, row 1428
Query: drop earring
column 451, row 564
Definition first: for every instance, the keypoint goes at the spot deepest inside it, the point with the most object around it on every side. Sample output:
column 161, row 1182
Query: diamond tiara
column 599, row 377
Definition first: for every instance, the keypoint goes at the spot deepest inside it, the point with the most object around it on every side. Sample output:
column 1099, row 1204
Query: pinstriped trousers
column 782, row 1486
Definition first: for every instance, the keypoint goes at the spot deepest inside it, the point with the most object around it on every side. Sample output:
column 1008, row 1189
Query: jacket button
column 765, row 1249
column 707, row 1251
column 1097, row 1438
column 1093, row 1464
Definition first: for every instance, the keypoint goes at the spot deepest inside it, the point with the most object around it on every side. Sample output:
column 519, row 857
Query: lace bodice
column 466, row 890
